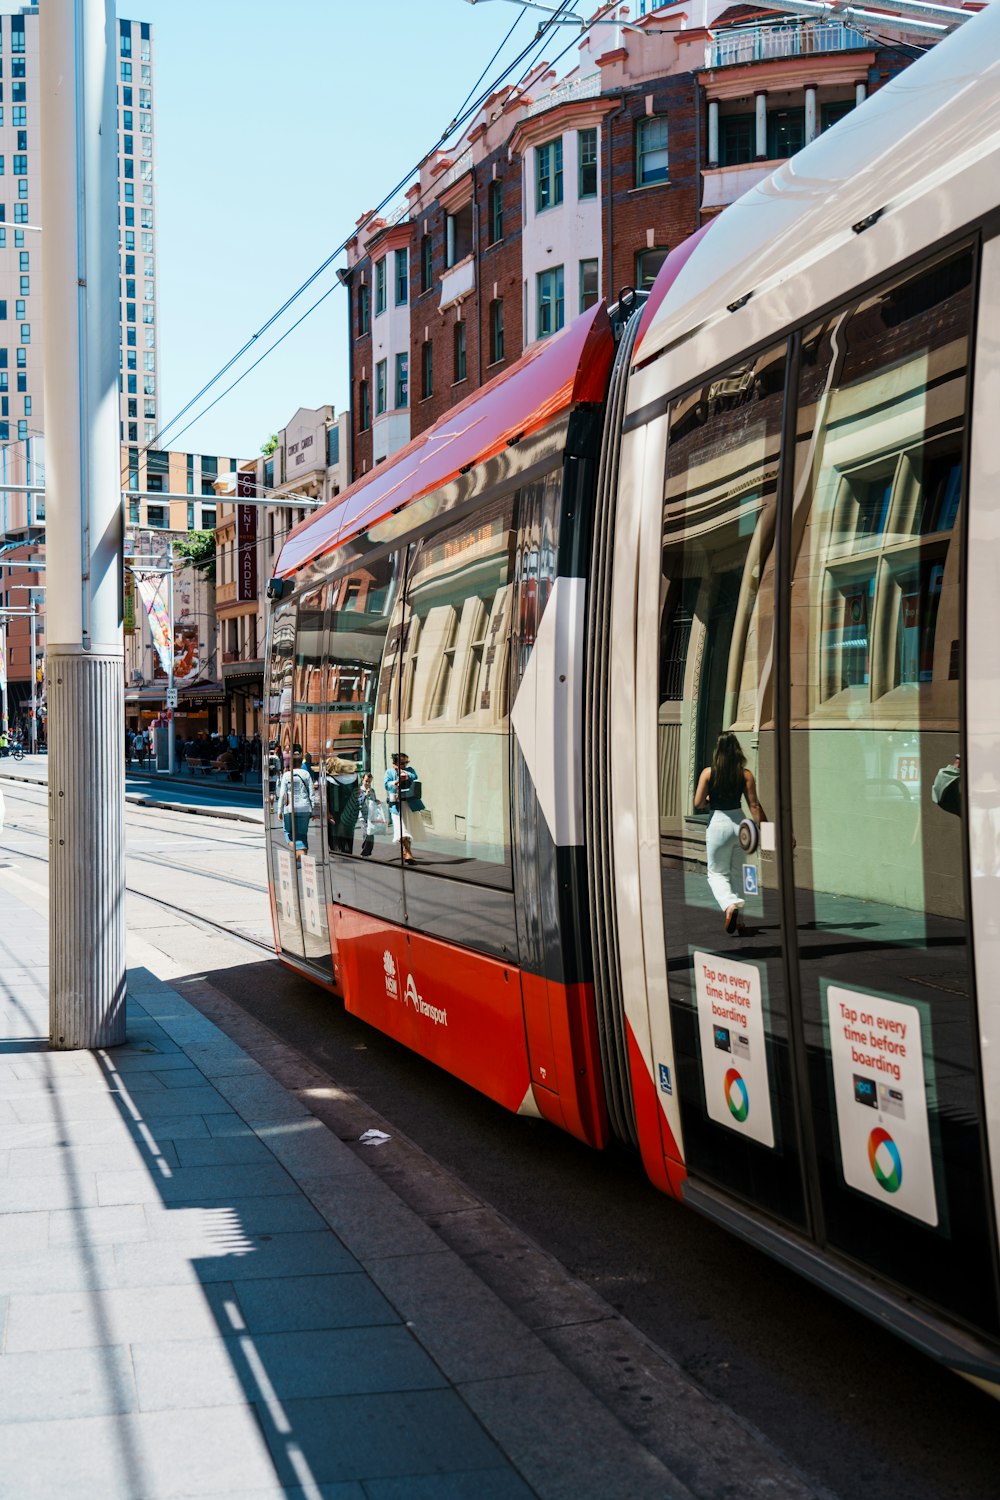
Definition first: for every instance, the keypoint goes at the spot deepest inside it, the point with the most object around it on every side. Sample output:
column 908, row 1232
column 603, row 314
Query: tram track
column 198, row 918
column 148, row 859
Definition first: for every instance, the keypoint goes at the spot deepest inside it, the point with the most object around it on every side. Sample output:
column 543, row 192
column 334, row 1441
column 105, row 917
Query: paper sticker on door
column 876, row 1047
column 310, row 896
column 733, row 1054
column 285, row 887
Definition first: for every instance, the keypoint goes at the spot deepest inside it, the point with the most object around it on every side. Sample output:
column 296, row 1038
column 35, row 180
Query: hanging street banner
column 128, row 603
column 150, row 592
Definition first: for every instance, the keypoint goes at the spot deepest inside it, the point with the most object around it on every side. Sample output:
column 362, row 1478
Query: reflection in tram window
column 875, row 625
column 455, row 690
column 716, row 707
column 876, row 776
column 362, row 676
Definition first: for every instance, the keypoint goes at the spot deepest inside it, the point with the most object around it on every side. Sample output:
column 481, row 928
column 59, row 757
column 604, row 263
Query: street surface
column 849, row 1407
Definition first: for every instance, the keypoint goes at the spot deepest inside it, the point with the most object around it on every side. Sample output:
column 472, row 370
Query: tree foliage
column 268, row 448
column 198, row 547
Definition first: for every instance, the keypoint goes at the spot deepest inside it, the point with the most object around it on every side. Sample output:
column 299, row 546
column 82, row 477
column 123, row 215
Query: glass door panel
column 729, row 1008
column 875, row 683
column 280, row 737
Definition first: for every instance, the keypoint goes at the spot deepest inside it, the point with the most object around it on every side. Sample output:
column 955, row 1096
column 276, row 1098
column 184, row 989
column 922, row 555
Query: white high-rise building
column 22, row 243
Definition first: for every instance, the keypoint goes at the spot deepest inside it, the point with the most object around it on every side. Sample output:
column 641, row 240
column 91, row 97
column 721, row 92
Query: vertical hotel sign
column 246, row 540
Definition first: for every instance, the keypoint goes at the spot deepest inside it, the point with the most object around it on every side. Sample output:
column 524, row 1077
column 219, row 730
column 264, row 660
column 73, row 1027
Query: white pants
column 725, row 857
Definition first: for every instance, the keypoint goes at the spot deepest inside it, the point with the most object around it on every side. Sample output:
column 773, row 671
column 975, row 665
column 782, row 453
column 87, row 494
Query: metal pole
column 77, row 73
column 34, row 685
column 170, row 664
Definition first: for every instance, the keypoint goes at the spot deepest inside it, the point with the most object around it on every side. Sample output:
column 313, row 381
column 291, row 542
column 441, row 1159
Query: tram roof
column 548, row 379
column 899, row 145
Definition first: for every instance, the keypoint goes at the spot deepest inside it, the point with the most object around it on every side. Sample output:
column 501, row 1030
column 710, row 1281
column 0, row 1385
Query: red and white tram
column 765, row 502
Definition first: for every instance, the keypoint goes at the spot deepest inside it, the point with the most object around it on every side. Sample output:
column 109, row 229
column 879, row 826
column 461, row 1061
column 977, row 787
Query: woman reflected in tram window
column 722, row 788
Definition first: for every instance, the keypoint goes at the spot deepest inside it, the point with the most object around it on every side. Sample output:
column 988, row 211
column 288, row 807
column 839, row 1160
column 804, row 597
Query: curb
column 140, row 799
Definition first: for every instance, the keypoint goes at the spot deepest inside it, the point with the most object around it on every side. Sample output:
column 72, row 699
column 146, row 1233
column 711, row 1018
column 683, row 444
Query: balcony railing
column 750, row 44
column 587, row 87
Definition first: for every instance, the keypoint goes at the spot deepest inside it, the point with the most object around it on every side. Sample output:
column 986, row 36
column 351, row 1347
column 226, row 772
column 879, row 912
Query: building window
column 402, row 380
column 126, row 72
column 364, row 311
column 831, row 113
column 20, row 213
column 459, row 350
column 589, row 291
column 426, row 370
column 496, row 211
column 647, row 266
column 156, row 516
column 551, row 301
column 380, row 286
column 786, row 133
column 380, row 383
column 364, row 406
column 20, row 165
column 496, row 330
column 426, row 263
column 25, row 333
column 402, row 277
column 332, row 446
column 587, row 142
column 458, row 227
column 651, row 151
column 737, row 140
column 548, row 175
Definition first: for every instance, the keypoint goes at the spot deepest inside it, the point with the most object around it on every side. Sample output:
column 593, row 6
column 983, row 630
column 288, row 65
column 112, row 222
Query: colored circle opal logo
column 885, row 1160
column 736, row 1096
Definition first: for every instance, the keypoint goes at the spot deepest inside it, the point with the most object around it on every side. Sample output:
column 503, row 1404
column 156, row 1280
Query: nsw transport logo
column 885, row 1160
column 736, row 1095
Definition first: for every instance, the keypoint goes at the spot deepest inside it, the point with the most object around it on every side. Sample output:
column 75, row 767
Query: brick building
column 569, row 189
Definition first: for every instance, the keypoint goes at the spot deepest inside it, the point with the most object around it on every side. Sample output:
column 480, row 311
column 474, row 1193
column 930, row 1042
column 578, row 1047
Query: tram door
column 826, row 1055
column 299, row 690
column 729, row 1000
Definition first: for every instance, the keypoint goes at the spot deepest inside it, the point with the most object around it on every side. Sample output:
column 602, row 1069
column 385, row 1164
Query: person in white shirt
column 295, row 803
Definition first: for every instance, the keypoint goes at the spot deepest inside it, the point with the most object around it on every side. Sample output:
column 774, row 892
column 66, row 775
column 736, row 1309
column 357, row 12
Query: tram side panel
column 547, row 771
column 420, row 640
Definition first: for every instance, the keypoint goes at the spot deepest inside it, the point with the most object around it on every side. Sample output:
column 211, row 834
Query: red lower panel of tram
column 497, row 1029
column 661, row 1155
column 459, row 1009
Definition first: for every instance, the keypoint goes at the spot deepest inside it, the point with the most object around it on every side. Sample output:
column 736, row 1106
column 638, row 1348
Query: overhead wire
column 567, row 7
column 468, row 109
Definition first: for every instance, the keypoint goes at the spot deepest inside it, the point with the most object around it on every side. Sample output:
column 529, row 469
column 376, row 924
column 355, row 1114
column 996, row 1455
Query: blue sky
column 277, row 125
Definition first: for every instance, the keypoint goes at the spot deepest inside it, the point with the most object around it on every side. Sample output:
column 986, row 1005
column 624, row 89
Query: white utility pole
column 78, row 70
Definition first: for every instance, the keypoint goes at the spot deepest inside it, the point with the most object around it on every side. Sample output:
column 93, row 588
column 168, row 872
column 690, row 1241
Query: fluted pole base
column 86, row 716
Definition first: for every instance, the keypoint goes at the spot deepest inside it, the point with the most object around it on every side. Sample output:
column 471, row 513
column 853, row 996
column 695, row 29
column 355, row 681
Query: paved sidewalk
column 205, row 1292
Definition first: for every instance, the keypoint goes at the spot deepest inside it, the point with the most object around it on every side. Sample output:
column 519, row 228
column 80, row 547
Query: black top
column 728, row 793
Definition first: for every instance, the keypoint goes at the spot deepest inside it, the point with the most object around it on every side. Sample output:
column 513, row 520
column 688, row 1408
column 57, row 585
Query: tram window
column 361, row 705
column 454, row 722
column 880, row 864
column 716, row 695
column 875, row 597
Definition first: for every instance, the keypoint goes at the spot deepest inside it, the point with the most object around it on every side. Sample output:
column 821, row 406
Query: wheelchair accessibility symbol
column 749, row 880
